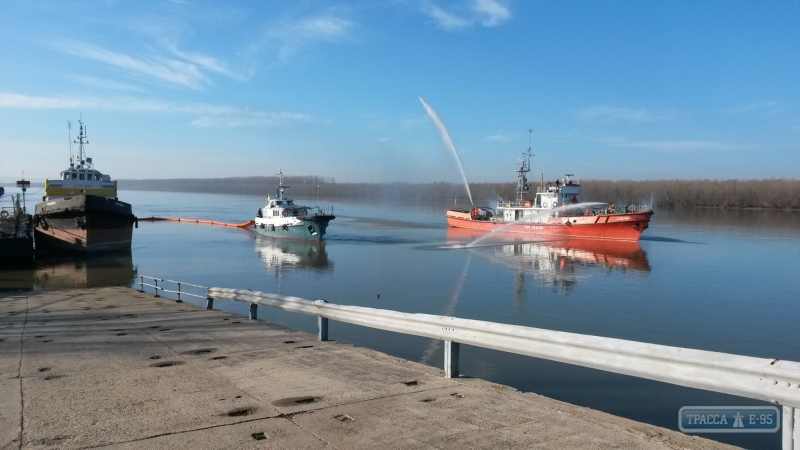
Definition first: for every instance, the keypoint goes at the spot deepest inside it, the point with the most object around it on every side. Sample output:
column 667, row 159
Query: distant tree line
column 771, row 193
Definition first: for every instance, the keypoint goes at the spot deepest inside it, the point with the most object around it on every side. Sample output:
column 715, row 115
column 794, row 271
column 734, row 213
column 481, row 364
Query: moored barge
column 81, row 212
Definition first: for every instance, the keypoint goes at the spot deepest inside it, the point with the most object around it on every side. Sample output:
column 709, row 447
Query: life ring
column 284, row 213
column 644, row 208
column 555, row 204
column 632, row 208
column 4, row 214
column 527, row 203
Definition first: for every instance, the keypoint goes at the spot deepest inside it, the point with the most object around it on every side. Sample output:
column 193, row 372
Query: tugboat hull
column 305, row 230
column 624, row 227
column 84, row 223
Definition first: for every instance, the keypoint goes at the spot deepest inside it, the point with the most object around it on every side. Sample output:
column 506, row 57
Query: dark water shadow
column 370, row 239
column 70, row 271
column 666, row 239
column 378, row 223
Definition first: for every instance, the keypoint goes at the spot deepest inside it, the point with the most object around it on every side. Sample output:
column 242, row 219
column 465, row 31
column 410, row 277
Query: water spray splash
column 448, row 143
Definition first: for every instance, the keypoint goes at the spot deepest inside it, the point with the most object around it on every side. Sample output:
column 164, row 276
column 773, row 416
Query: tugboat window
column 74, row 176
column 81, row 176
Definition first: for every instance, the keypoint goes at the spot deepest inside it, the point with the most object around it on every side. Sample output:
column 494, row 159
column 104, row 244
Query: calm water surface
column 714, row 280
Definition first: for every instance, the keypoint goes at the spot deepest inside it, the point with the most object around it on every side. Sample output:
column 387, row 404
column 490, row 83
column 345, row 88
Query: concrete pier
column 115, row 368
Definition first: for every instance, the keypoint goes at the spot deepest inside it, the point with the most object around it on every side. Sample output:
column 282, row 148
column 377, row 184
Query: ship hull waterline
column 623, row 227
column 83, row 224
column 306, row 230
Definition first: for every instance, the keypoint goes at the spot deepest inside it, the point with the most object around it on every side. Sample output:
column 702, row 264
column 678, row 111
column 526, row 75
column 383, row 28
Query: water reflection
column 282, row 254
column 73, row 272
column 556, row 264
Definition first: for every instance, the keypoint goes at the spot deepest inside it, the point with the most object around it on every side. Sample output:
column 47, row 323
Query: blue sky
column 614, row 90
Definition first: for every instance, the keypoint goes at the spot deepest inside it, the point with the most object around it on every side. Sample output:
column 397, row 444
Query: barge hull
column 84, row 223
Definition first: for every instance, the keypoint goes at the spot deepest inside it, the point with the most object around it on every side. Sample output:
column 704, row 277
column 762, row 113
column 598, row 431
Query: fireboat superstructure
column 281, row 218
column 554, row 211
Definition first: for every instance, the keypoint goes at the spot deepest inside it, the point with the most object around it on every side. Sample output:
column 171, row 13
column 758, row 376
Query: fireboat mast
column 524, row 168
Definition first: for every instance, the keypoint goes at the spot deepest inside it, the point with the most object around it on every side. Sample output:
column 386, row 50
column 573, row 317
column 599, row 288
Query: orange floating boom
column 206, row 222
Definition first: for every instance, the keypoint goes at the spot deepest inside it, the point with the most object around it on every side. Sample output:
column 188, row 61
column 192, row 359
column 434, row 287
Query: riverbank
column 112, row 367
column 779, row 194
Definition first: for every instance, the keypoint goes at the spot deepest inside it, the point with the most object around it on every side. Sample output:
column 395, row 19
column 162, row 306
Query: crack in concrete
column 19, row 375
column 173, row 433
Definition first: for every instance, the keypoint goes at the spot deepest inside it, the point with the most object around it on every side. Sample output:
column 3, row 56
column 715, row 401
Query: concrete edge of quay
column 116, row 368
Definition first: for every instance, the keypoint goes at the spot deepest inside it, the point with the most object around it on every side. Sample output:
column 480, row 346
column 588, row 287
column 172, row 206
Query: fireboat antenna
column 524, row 168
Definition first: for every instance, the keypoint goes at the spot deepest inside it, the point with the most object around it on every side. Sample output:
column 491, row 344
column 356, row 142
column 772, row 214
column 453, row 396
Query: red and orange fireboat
column 555, row 211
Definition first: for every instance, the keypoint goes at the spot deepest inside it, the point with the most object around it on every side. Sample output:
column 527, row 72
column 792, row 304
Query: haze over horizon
column 199, row 89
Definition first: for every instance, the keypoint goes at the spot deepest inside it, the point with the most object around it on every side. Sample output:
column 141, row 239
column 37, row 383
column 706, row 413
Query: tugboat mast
column 524, row 168
column 82, row 160
column 281, row 187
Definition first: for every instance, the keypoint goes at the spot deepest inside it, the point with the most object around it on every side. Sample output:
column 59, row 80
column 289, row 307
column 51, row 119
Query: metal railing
column 178, row 292
column 769, row 380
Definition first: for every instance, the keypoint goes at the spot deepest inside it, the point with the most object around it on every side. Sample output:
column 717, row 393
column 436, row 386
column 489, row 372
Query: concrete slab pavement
column 112, row 367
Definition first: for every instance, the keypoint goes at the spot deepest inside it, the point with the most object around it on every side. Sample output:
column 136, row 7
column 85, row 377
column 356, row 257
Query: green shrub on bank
column 770, row 194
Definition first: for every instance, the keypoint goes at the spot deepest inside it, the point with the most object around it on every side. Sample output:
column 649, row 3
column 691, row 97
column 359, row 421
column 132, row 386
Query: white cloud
column 486, row 13
column 500, row 136
column 613, row 113
column 289, row 39
column 769, row 106
column 159, row 68
column 210, row 115
column 207, row 62
column 248, row 119
column 445, row 19
column 170, row 64
column 491, row 12
column 105, row 84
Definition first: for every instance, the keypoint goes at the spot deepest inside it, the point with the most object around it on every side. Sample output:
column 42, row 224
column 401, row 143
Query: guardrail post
column 179, row 293
column 156, row 288
column 451, row 350
column 253, row 311
column 791, row 430
column 209, row 303
column 322, row 323
column 141, row 283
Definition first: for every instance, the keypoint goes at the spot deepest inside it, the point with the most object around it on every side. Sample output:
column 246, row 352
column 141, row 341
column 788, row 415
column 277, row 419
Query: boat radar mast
column 524, row 168
column 82, row 160
column 281, row 187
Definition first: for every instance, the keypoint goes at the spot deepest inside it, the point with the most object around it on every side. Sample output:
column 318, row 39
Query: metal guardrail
column 161, row 288
column 770, row 380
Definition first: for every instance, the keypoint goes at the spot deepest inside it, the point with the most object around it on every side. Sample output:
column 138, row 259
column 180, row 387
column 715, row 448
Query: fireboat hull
column 622, row 227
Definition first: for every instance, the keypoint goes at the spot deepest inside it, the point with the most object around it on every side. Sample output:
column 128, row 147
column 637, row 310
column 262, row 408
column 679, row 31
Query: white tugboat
column 281, row 218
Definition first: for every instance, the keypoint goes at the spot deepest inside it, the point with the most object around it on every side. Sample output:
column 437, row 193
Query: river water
column 717, row 280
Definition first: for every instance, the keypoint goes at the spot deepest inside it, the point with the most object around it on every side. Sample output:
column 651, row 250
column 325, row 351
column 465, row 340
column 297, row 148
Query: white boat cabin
column 549, row 198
